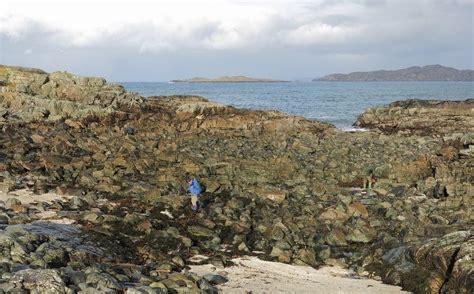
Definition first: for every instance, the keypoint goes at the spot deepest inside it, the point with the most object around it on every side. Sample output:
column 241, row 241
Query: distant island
column 228, row 79
column 415, row 73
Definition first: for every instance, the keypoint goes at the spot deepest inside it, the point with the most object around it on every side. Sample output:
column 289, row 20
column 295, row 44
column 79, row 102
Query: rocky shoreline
column 277, row 186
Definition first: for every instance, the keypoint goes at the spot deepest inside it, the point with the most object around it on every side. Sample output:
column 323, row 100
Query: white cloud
column 154, row 26
column 253, row 34
column 161, row 25
column 320, row 33
column 169, row 25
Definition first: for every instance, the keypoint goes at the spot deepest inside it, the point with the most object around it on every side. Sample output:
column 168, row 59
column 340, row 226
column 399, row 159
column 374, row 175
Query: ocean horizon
column 338, row 103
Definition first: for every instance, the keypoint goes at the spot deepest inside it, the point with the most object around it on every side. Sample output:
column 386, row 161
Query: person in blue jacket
column 195, row 189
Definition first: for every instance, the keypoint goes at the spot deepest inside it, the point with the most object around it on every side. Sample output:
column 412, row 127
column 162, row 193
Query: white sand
column 251, row 274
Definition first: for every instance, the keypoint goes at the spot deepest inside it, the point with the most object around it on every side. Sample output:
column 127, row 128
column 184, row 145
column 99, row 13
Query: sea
column 338, row 103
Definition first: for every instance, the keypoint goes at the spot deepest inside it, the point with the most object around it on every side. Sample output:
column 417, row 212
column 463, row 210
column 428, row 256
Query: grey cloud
column 388, row 34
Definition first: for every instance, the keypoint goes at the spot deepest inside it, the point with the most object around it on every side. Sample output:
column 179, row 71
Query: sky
column 164, row 40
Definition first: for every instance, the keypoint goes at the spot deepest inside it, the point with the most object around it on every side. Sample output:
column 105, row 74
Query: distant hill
column 227, row 79
column 415, row 73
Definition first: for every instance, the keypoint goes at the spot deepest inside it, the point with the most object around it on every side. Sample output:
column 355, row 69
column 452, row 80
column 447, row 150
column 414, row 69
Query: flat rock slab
column 27, row 196
column 258, row 276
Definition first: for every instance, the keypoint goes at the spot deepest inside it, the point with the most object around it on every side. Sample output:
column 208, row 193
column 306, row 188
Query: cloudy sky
column 163, row 40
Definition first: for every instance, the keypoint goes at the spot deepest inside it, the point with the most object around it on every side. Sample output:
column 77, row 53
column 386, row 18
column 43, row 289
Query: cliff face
column 415, row 73
column 280, row 185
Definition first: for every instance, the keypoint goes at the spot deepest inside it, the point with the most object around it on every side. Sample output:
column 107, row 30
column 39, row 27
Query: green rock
column 198, row 231
column 178, row 261
column 92, row 217
column 103, row 280
column 158, row 285
column 306, row 256
column 336, row 237
column 391, row 214
column 356, row 236
column 243, row 247
column 170, row 284
column 324, row 253
column 278, row 232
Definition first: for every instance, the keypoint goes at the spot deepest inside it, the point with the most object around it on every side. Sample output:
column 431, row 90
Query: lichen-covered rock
column 39, row 281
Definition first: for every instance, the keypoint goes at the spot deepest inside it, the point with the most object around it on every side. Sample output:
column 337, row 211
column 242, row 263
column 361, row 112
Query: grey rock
column 215, row 279
column 205, row 285
column 40, row 280
column 103, row 281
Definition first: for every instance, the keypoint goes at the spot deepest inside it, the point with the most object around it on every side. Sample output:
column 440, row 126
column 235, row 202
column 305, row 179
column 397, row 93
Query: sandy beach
column 252, row 275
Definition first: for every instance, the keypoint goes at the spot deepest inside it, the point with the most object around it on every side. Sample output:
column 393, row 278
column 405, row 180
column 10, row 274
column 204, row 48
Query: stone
column 77, row 203
column 40, row 280
column 37, row 139
column 391, row 214
column 12, row 202
column 358, row 209
column 158, row 285
column 336, row 237
column 178, row 261
column 203, row 284
column 243, row 247
column 140, row 290
column 92, row 217
column 333, row 215
column 278, row 231
column 48, row 254
column 324, row 253
column 276, row 196
column 307, row 257
column 18, row 208
column 282, row 255
column 357, row 236
column 198, row 231
column 215, row 279
column 103, row 281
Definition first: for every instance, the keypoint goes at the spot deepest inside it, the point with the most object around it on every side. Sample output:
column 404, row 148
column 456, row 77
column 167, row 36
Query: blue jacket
column 194, row 188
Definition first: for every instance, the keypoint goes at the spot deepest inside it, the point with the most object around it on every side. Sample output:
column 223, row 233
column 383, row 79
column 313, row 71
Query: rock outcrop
column 33, row 95
column 421, row 117
column 278, row 186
